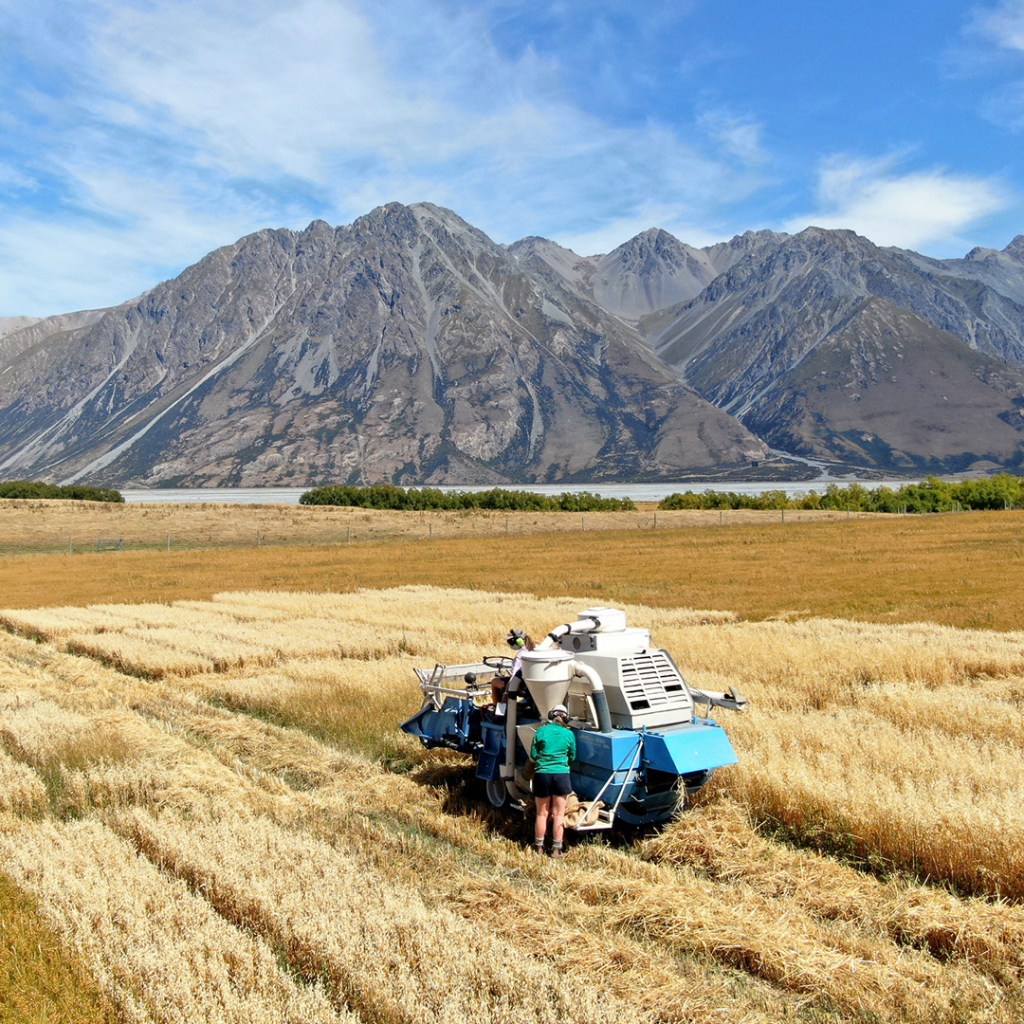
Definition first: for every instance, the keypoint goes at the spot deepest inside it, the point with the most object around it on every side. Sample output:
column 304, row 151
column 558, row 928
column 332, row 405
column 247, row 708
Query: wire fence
column 222, row 529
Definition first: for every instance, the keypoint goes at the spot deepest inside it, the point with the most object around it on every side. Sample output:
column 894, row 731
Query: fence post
column 71, row 546
column 168, row 542
column 655, row 520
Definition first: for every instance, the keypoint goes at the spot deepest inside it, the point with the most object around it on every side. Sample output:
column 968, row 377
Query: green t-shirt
column 553, row 749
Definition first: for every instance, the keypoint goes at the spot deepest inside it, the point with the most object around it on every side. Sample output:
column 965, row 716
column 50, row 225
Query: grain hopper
column 641, row 743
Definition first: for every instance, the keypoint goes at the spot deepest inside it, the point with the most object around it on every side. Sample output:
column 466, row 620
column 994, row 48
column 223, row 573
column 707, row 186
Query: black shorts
column 551, row 784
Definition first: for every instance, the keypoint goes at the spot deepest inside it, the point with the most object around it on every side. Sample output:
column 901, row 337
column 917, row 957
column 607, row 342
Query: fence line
column 412, row 526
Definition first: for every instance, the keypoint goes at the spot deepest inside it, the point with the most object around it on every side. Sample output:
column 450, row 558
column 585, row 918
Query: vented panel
column 650, row 682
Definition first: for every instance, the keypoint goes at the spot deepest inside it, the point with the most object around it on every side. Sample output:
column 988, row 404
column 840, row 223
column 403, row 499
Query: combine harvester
column 640, row 746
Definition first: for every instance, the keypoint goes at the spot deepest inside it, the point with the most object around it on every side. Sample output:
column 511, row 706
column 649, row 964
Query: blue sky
column 138, row 135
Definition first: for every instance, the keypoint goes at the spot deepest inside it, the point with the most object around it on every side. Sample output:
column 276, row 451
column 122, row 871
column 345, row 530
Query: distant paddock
column 954, row 569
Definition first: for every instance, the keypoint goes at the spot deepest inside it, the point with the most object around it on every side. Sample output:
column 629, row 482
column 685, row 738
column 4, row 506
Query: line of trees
column 391, row 496
column 930, row 495
column 67, row 492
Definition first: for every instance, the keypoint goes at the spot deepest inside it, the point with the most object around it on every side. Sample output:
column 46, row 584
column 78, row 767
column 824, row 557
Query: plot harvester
column 640, row 743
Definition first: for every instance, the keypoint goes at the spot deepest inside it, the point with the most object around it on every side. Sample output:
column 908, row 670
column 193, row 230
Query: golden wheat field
column 207, row 813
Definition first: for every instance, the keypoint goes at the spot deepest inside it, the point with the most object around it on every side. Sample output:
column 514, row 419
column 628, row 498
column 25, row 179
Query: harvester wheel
column 497, row 793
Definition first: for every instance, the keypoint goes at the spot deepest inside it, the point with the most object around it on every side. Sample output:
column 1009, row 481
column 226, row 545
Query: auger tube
column 604, row 718
column 587, row 625
column 508, row 769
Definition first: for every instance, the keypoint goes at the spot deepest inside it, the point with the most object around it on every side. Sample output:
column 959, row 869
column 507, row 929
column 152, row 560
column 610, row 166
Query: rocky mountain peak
column 1016, row 248
column 980, row 253
column 653, row 247
column 724, row 255
column 815, row 239
column 391, row 221
column 318, row 228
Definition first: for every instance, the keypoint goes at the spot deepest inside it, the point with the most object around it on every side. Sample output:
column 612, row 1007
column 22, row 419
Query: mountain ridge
column 408, row 346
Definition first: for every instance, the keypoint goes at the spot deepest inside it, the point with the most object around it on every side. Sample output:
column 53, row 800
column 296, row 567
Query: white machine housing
column 642, row 684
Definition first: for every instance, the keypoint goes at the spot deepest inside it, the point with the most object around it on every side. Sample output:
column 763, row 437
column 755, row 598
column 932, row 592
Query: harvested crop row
column 162, row 953
column 718, row 837
column 384, row 955
column 21, row 789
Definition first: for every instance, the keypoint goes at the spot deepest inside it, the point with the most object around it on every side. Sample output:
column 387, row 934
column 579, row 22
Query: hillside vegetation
column 209, row 802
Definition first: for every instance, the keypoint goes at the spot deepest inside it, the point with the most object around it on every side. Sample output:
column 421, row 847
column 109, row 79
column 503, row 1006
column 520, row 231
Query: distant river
column 638, row 492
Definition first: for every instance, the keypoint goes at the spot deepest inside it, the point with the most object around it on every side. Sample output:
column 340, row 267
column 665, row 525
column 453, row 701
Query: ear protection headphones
column 516, row 638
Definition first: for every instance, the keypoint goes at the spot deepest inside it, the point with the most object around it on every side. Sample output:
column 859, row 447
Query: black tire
column 496, row 792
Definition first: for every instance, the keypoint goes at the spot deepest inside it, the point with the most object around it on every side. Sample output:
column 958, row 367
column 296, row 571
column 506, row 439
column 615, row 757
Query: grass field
column 958, row 570
column 207, row 813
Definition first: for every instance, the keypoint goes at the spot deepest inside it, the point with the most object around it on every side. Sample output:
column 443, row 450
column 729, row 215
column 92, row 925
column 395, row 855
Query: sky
column 136, row 136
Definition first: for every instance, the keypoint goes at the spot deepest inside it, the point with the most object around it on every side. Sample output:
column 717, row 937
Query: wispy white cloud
column 1005, row 106
column 1002, row 24
column 996, row 37
column 738, row 136
column 16, row 179
column 911, row 209
column 174, row 127
column 255, row 89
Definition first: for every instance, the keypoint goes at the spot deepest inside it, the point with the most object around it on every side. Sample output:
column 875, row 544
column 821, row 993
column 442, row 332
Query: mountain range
column 410, row 347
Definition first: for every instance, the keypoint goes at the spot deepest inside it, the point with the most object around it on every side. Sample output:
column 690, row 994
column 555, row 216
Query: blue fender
column 693, row 747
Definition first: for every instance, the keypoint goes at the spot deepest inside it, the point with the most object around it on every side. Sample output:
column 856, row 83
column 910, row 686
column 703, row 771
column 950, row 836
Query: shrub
column 74, row 492
column 389, row 496
column 930, row 495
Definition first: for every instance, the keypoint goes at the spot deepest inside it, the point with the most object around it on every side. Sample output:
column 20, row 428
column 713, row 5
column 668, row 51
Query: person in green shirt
column 552, row 751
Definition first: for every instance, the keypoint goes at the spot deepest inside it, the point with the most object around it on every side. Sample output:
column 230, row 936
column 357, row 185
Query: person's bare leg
column 557, row 824
column 540, row 826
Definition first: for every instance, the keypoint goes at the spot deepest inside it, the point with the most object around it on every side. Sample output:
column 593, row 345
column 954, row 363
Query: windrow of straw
column 21, row 789
column 262, row 788
column 381, row 955
column 162, row 952
column 719, row 838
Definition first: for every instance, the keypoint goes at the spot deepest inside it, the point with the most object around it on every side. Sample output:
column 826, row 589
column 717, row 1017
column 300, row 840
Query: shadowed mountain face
column 811, row 339
column 887, row 388
column 409, row 347
column 405, row 347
